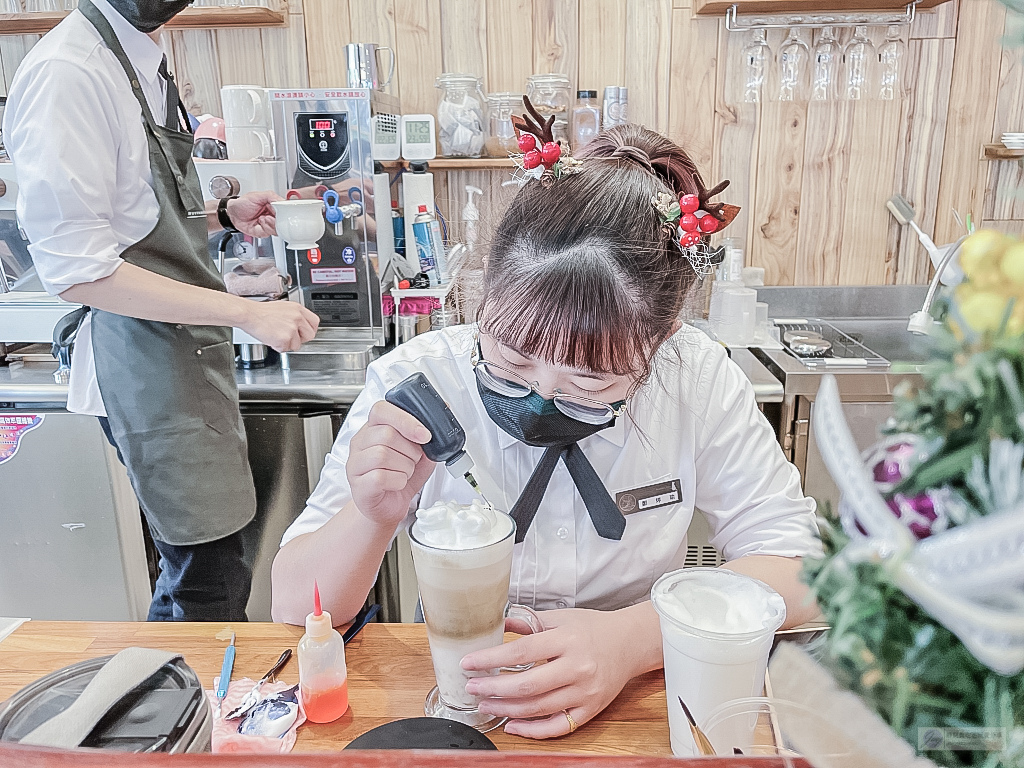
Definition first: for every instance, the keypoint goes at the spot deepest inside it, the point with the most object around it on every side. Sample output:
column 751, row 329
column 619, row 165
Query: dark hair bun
column 650, row 150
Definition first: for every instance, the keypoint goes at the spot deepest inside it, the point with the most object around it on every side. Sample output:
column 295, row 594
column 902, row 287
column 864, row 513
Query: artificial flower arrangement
column 922, row 581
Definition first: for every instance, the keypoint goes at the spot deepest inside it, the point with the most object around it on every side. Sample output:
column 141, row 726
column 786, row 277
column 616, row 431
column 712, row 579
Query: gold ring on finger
column 572, row 723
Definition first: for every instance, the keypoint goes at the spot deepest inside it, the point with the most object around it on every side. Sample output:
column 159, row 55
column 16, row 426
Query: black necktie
column 172, row 120
column 607, row 519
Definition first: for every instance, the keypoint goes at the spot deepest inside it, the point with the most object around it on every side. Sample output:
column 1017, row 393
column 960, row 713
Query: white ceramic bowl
column 300, row 222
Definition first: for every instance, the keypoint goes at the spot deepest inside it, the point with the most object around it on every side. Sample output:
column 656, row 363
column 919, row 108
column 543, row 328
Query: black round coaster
column 422, row 733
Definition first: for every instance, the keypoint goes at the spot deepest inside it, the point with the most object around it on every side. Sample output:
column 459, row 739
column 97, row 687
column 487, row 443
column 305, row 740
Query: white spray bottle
column 470, row 217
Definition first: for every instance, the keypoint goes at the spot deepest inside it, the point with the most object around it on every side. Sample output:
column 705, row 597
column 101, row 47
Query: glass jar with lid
column 460, row 115
column 501, row 136
column 550, row 95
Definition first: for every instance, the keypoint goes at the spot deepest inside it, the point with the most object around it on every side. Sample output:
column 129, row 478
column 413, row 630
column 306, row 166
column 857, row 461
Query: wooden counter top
column 389, row 675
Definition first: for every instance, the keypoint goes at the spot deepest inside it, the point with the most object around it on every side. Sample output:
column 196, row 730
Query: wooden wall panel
column 972, row 107
column 776, row 209
column 602, row 44
column 197, row 70
column 693, row 78
column 12, row 50
column 1003, row 191
column 284, row 51
column 464, row 38
column 865, row 258
column 328, row 27
column 919, row 159
column 418, row 45
column 823, row 193
column 648, row 61
column 937, row 22
column 509, row 44
column 736, row 140
column 240, row 53
column 556, row 37
column 373, row 21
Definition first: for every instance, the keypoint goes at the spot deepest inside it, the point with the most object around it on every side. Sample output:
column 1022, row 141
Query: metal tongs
column 252, row 698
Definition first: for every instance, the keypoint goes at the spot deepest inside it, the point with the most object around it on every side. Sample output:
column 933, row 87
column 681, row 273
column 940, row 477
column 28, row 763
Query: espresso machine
column 325, row 139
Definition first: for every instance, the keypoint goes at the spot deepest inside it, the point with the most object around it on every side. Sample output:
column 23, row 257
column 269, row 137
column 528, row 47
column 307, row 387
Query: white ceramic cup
column 300, row 222
column 248, row 142
column 245, row 105
column 707, row 668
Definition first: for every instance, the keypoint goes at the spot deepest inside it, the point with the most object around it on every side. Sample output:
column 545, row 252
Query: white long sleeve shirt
column 74, row 130
column 693, row 432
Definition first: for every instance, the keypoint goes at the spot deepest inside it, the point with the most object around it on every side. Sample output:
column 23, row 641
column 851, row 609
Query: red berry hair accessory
column 542, row 157
column 690, row 219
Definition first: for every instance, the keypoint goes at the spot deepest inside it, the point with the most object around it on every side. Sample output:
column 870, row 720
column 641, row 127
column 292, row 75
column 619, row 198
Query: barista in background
column 111, row 203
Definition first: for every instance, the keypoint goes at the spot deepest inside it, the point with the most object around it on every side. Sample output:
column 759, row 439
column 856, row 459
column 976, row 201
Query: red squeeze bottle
column 323, row 677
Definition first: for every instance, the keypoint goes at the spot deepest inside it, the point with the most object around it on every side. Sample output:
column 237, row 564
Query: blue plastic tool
column 225, row 672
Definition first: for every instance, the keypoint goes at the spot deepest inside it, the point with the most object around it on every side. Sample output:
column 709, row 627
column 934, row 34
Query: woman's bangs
column 562, row 323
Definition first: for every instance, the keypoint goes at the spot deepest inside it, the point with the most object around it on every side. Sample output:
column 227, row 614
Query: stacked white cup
column 247, row 122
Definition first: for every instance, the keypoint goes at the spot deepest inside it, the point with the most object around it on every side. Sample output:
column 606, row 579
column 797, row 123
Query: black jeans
column 199, row 582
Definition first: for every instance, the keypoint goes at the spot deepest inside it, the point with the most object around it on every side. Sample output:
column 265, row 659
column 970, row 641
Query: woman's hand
column 386, row 466
column 590, row 656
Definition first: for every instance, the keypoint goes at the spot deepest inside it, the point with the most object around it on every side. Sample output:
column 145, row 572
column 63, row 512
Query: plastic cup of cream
column 717, row 628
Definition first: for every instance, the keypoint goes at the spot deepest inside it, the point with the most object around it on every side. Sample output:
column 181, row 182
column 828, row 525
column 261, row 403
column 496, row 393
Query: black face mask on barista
column 537, row 422
column 147, row 15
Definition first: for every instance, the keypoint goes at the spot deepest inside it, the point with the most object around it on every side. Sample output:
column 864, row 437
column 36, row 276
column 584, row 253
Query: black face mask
column 537, row 422
column 147, row 15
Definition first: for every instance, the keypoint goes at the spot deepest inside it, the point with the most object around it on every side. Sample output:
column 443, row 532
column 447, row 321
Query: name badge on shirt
column 649, row 497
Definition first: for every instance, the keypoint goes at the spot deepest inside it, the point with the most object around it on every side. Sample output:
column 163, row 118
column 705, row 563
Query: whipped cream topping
column 448, row 525
column 727, row 604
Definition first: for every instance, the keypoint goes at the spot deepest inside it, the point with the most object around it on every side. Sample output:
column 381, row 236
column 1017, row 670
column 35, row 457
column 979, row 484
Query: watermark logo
column 967, row 739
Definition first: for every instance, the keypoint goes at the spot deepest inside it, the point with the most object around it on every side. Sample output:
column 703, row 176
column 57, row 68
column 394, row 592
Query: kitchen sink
column 887, row 337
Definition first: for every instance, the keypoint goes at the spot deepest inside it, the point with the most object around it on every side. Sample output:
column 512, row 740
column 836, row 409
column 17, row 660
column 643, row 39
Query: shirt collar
column 144, row 54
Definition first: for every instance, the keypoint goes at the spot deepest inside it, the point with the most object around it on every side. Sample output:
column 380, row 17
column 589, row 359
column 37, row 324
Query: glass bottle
column 756, row 55
column 825, row 62
column 793, row 67
column 460, row 115
column 891, row 58
column 501, row 136
column 549, row 94
column 858, row 60
column 586, row 119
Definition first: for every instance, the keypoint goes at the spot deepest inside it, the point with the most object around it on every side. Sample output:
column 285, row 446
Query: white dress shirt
column 74, row 130
column 695, row 421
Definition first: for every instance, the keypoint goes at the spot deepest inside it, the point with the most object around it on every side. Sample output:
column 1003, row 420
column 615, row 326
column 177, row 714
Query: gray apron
column 169, row 390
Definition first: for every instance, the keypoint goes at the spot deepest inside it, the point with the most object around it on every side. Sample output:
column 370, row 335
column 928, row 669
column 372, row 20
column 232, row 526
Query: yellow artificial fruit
column 993, row 264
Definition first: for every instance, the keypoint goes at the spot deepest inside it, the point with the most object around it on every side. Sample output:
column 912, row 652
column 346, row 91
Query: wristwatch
column 222, row 213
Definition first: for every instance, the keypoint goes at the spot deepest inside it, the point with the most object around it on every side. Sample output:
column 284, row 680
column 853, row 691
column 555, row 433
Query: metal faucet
column 922, row 320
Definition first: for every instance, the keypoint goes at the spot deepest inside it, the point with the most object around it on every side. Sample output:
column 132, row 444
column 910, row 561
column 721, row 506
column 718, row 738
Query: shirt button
column 562, row 533
column 199, row 351
column 179, row 326
column 561, row 604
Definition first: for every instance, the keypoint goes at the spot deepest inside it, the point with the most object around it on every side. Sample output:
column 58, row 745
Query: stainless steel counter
column 767, row 388
column 33, row 383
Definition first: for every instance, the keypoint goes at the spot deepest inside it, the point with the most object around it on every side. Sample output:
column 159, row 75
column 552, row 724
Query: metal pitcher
column 361, row 65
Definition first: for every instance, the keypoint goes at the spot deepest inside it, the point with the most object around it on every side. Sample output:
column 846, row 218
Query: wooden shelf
column 455, row 163
column 999, row 152
column 757, row 7
column 190, row 18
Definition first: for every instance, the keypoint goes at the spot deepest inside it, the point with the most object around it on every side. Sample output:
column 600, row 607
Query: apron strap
column 92, row 13
column 119, row 676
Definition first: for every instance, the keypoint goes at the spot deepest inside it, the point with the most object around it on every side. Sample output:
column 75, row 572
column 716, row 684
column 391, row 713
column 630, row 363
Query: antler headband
column 543, row 158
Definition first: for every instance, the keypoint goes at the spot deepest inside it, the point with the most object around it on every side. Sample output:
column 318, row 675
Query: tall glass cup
column 464, row 594
column 717, row 628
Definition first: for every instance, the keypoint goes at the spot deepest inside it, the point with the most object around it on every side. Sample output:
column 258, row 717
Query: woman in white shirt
column 578, row 324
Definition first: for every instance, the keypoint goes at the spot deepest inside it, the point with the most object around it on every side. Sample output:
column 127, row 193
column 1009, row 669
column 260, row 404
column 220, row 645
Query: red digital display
column 322, row 125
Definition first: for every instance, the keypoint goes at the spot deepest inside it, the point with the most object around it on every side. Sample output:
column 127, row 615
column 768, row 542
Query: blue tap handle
column 332, row 212
column 225, row 670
